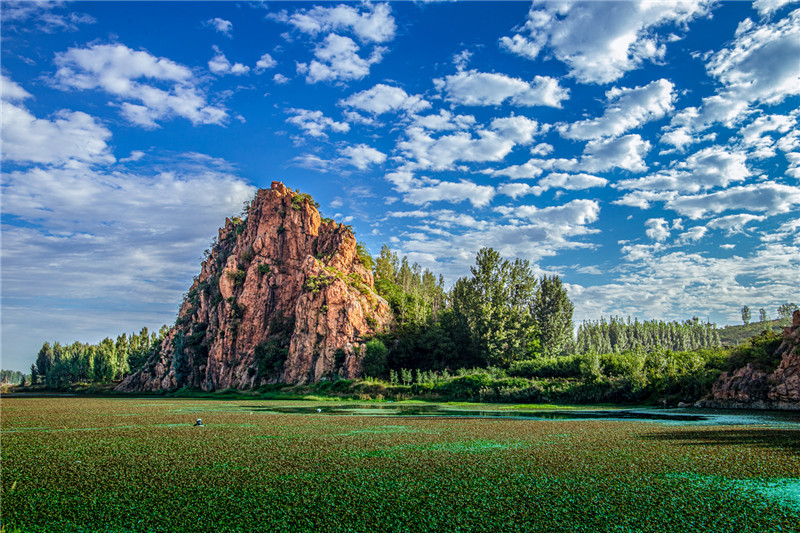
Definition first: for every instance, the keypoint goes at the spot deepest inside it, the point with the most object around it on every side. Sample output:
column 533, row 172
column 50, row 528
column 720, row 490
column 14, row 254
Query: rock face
column 281, row 297
column 749, row 387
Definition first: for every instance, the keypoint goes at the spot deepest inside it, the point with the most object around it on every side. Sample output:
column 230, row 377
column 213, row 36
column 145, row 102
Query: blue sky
column 648, row 153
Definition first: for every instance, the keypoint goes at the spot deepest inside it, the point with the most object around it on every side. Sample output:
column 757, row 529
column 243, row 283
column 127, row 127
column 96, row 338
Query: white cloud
column 734, row 223
column 770, row 198
column 220, row 25
column 489, row 89
column 383, row 99
column 788, row 232
column 657, row 229
column 494, row 144
column 673, row 285
column 375, row 25
column 265, row 62
column 68, row 136
column 11, row 91
column 444, row 121
column 315, row 123
column 758, row 68
column 572, row 182
column 542, row 149
column 625, row 152
column 116, row 69
column 753, row 136
column 337, row 59
column 601, row 41
column 362, row 156
column 768, row 7
column 521, row 46
column 715, row 166
column 693, row 234
column 571, row 214
column 443, row 191
column 219, row 64
column 760, row 65
column 280, row 79
column 531, row 169
column 626, row 109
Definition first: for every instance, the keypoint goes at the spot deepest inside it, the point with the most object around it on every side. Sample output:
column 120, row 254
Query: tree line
column 616, row 335
column 59, row 365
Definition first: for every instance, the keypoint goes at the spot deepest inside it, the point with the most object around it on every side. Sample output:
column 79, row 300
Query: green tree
column 785, row 312
column 552, row 310
column 762, row 315
column 495, row 305
column 746, row 315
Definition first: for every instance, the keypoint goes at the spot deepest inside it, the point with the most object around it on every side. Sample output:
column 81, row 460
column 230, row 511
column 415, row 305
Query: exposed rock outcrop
column 752, row 388
column 281, row 297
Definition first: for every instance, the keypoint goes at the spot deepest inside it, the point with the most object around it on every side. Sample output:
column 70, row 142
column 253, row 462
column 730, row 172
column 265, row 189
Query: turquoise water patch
column 781, row 491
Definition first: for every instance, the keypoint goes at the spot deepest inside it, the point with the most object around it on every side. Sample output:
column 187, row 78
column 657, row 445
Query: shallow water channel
column 670, row 416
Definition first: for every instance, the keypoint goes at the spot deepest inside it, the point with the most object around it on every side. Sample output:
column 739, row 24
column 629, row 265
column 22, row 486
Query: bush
column 374, row 362
column 559, row 367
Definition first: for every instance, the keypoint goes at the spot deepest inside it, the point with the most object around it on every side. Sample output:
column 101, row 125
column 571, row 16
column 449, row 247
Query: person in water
column 198, row 423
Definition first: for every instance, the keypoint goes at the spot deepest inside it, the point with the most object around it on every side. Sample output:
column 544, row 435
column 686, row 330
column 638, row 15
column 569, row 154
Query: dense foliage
column 497, row 315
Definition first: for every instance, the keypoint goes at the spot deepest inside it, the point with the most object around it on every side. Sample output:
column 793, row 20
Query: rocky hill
column 281, row 297
column 751, row 387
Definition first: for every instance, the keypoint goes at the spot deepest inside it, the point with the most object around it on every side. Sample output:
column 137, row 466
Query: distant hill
column 735, row 335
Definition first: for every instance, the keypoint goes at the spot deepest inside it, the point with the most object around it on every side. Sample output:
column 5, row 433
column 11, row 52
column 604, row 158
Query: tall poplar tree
column 552, row 310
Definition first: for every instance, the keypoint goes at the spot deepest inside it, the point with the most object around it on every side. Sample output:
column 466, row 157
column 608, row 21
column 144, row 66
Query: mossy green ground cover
column 133, row 464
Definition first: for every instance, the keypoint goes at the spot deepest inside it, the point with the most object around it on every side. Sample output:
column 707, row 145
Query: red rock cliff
column 281, row 297
column 749, row 387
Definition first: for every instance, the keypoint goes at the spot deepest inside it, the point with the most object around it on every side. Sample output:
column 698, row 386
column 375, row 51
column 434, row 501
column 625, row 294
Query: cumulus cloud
column 574, row 213
column 219, row 64
column 754, row 135
column 657, row 229
column 314, row 123
column 625, row 152
column 116, row 69
column 374, row 24
column 337, row 56
column 715, row 166
column 337, row 59
column 67, row 136
column 362, row 156
column 626, row 109
column 444, row 121
column 454, row 192
column 770, row 198
column 599, row 42
column 475, row 88
column 427, row 152
column 734, row 223
column 221, row 25
column 383, row 99
column 572, row 182
column 265, row 62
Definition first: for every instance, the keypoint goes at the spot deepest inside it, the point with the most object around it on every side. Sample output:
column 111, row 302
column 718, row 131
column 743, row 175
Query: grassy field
column 137, row 464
